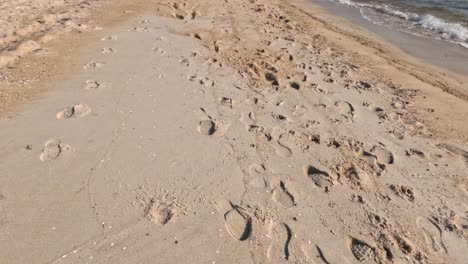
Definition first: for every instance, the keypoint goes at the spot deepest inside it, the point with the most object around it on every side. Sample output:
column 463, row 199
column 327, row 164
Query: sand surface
column 229, row 132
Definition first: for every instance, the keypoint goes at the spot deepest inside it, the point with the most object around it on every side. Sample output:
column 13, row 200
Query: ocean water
column 441, row 19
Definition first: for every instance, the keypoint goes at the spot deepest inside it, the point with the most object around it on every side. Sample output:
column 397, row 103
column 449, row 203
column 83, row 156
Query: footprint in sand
column 238, row 223
column 108, row 50
column 52, row 149
column 277, row 132
column 280, row 235
column 282, row 196
column 248, row 119
column 93, row 65
column 432, row 234
column 202, row 80
column 362, row 251
column 299, row 110
column 405, row 192
column 159, row 51
column 454, row 150
column 356, row 176
column 159, row 213
column 206, row 127
column 110, row 38
column 404, row 244
column 225, row 102
column 185, row 62
column 140, row 29
column 280, row 117
column 144, row 21
column 256, row 169
column 345, row 109
column 74, row 111
column 415, row 152
column 257, row 179
column 95, row 85
column 206, row 82
column 314, row 253
column 321, row 178
column 282, row 150
column 91, row 85
column 160, row 38
column 251, row 101
column 383, row 155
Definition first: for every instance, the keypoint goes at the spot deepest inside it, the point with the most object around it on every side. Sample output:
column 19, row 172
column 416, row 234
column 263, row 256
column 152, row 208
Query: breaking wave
column 439, row 28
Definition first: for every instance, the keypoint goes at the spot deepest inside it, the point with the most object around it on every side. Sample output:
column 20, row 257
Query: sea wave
column 443, row 29
column 448, row 30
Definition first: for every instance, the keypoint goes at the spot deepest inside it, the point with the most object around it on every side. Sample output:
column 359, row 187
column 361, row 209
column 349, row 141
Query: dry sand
column 229, row 132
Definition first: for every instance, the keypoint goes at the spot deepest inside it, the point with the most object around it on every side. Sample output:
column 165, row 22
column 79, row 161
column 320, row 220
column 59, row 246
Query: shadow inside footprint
column 206, row 127
column 314, row 252
column 383, row 155
column 282, row 196
column 282, row 150
column 320, row 178
column 345, row 108
column 238, row 223
column 280, row 235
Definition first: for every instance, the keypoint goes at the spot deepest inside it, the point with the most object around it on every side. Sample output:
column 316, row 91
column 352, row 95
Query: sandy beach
column 223, row 132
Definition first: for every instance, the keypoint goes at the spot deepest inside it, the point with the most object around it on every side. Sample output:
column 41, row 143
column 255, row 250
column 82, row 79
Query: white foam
column 442, row 29
column 446, row 29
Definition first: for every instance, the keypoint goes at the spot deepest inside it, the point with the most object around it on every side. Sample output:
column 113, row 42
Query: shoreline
column 231, row 132
column 436, row 52
column 378, row 48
